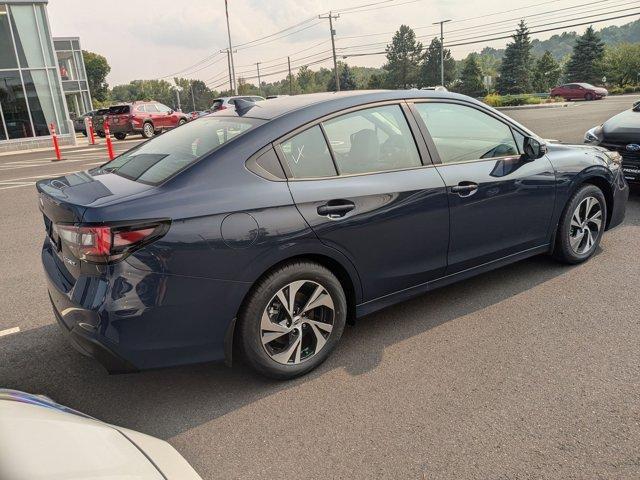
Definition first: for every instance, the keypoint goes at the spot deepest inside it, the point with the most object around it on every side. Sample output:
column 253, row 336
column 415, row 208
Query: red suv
column 146, row 118
column 579, row 91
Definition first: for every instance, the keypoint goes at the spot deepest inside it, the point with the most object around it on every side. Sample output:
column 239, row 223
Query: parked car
column 621, row 133
column 40, row 438
column 98, row 121
column 78, row 122
column 145, row 118
column 223, row 103
column 579, row 91
column 260, row 230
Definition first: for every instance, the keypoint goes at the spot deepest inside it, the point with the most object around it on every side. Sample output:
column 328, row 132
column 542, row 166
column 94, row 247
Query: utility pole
column 330, row 16
column 441, row 23
column 232, row 69
column 259, row 83
column 193, row 98
column 231, row 76
column 290, row 77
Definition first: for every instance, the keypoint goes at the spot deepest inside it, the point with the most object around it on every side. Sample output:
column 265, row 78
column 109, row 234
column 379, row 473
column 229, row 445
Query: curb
column 540, row 105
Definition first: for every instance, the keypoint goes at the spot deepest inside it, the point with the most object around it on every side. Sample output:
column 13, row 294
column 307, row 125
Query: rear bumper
column 123, row 128
column 131, row 319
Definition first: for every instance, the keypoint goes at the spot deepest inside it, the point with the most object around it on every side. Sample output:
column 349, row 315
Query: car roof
column 333, row 100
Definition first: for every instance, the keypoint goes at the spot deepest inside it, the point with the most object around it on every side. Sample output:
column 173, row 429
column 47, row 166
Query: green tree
column 403, row 59
column 345, row 76
column 97, row 69
column 622, row 64
column 430, row 67
column 515, row 70
column 546, row 73
column 587, row 60
column 306, row 79
column 471, row 78
column 377, row 81
column 194, row 92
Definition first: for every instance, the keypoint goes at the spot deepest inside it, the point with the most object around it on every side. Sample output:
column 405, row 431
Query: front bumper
column 620, row 197
column 131, row 319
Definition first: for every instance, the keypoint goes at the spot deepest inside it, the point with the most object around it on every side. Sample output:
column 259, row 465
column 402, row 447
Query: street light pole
column 232, row 70
column 330, row 16
column 441, row 23
column 290, row 78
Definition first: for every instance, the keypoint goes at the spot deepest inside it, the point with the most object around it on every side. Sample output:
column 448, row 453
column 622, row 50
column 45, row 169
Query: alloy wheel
column 297, row 322
column 586, row 223
column 148, row 129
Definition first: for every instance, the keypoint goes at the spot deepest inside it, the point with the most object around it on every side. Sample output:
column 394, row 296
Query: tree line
column 409, row 64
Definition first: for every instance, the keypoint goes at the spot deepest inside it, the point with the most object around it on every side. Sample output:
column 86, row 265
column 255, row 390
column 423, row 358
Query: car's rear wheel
column 120, row 135
column 292, row 320
column 588, row 97
column 147, row 130
column 581, row 225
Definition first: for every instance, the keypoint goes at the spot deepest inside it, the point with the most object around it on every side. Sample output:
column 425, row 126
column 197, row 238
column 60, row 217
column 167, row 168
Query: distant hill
column 562, row 45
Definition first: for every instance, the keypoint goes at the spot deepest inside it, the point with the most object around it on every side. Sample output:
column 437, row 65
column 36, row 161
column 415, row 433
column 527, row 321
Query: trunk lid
column 65, row 199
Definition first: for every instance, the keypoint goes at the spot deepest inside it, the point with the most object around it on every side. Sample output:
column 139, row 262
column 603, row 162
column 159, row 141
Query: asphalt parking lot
column 528, row 372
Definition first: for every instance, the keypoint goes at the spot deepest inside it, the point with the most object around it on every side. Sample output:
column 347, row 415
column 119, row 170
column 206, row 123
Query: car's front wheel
column 292, row 320
column 120, row 135
column 581, row 225
column 182, row 122
column 588, row 97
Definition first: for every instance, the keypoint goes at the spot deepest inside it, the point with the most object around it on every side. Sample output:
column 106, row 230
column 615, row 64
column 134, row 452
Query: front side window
column 162, row 108
column 372, row 140
column 155, row 161
column 307, row 155
column 462, row 134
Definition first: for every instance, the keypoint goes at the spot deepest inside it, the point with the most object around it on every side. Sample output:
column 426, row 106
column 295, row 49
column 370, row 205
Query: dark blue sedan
column 261, row 230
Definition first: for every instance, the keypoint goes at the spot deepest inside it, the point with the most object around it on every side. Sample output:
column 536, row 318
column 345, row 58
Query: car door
column 368, row 190
column 500, row 204
column 167, row 116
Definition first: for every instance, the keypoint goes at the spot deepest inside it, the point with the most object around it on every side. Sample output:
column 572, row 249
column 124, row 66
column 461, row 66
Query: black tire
column 120, row 135
column 84, row 132
column 588, row 97
column 564, row 251
column 263, row 296
column 148, row 130
column 182, row 122
column 101, row 134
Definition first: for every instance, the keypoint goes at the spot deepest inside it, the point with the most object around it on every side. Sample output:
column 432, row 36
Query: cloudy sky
column 153, row 39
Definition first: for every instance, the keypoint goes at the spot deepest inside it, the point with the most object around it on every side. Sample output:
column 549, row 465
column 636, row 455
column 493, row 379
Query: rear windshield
column 102, row 111
column 119, row 109
column 155, row 161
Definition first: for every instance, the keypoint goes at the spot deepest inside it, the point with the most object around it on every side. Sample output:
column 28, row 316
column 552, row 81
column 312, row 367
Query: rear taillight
column 104, row 244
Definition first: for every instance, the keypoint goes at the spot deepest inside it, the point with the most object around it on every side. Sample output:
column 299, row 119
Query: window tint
column 162, row 108
column 464, row 133
column 150, row 108
column 119, row 110
column 308, row 156
column 158, row 159
column 372, row 140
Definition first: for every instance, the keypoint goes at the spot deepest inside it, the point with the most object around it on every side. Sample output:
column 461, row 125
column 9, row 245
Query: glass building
column 73, row 75
column 31, row 95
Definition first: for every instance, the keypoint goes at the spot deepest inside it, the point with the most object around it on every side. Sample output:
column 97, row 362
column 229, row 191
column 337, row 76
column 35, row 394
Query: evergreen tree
column 546, row 73
column 345, row 76
column 430, row 67
column 586, row 62
column 306, row 79
column 403, row 58
column 515, row 71
column 471, row 78
column 377, row 81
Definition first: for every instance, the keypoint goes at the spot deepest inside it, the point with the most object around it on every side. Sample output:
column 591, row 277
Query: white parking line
column 9, row 331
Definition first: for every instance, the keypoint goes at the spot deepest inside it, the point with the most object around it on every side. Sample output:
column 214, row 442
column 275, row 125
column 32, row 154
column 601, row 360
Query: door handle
column 336, row 208
column 465, row 189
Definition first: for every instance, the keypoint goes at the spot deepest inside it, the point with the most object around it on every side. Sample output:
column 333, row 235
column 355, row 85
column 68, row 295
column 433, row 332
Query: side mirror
column 169, row 112
column 533, row 149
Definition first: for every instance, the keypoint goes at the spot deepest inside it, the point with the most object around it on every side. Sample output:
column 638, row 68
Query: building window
column 7, row 53
column 41, row 104
column 14, row 106
column 27, row 39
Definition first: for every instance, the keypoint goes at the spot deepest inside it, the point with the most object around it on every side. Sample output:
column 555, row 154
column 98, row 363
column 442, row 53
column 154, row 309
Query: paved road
column 529, row 372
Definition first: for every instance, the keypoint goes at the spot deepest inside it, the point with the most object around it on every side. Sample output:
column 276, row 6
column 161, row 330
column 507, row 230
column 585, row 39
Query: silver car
column 40, row 439
column 222, row 103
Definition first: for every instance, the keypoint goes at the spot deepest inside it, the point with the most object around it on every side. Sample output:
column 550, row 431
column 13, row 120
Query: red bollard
column 107, row 136
column 54, row 137
column 88, row 125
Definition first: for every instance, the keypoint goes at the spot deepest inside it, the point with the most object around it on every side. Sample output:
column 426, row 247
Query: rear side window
column 463, row 134
column 308, row 155
column 119, row 110
column 155, row 161
column 375, row 139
